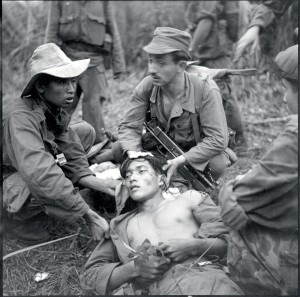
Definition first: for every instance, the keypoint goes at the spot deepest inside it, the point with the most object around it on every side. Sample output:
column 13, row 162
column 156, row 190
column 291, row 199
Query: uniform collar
column 187, row 102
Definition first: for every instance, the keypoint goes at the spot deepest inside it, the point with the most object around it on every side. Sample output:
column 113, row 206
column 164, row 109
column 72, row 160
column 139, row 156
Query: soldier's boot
column 27, row 232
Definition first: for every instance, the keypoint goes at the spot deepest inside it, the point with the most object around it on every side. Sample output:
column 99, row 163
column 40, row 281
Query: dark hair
column 44, row 79
column 155, row 162
column 180, row 56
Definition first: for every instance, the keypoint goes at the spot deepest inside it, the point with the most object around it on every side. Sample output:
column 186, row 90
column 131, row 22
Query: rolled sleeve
column 206, row 9
column 99, row 267
column 262, row 16
column 214, row 126
column 131, row 127
column 265, row 12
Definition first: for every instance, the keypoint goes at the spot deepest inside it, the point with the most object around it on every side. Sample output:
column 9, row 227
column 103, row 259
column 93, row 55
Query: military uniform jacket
column 262, row 211
column 32, row 138
column 265, row 13
column 86, row 22
column 224, row 28
column 201, row 97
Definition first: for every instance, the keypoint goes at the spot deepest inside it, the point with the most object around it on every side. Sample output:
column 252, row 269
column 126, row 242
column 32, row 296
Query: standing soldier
column 88, row 30
column 263, row 15
column 214, row 27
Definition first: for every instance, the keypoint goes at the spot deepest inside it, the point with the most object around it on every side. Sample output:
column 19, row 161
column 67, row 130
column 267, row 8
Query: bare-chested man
column 187, row 229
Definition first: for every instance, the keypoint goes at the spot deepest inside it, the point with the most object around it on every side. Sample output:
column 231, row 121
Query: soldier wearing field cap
column 174, row 97
column 261, row 207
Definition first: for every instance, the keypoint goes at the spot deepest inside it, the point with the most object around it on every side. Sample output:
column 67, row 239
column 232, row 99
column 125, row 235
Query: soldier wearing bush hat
column 175, row 97
column 263, row 204
column 43, row 156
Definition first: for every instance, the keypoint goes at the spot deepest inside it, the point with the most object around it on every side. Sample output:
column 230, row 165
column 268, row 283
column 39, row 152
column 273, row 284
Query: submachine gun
column 201, row 181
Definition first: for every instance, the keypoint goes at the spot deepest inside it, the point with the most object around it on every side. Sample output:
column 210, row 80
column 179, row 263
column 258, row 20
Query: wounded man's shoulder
column 194, row 196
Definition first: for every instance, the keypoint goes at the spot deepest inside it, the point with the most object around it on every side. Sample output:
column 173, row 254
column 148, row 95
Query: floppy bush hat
column 50, row 59
column 167, row 40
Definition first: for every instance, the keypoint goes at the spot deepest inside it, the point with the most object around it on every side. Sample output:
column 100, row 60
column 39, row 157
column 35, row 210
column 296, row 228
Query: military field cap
column 167, row 40
column 287, row 62
column 50, row 59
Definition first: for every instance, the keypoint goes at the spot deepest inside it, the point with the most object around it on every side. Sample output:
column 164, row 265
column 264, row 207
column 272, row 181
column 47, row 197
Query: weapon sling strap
column 195, row 123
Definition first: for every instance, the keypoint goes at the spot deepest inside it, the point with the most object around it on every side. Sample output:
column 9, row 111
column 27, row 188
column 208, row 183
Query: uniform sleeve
column 77, row 164
column 214, row 125
column 269, row 191
column 206, row 9
column 37, row 167
column 207, row 215
column 99, row 267
column 118, row 61
column 265, row 12
column 53, row 23
column 131, row 127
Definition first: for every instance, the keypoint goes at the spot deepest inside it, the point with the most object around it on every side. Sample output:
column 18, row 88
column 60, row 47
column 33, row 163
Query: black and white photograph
column 149, row 148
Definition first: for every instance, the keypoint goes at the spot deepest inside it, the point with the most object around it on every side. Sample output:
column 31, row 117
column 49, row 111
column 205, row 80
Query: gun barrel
column 246, row 72
column 186, row 171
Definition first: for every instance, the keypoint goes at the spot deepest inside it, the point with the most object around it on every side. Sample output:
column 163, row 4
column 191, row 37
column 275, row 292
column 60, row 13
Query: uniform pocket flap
column 15, row 192
column 97, row 18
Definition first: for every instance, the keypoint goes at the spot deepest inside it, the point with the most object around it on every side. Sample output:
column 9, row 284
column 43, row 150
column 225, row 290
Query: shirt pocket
column 183, row 132
column 69, row 27
column 15, row 192
column 93, row 28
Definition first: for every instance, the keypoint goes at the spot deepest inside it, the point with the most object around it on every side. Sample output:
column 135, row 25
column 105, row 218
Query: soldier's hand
column 178, row 249
column 98, row 225
column 171, row 166
column 250, row 38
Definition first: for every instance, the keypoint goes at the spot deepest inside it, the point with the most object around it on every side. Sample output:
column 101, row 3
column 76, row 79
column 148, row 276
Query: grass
column 258, row 99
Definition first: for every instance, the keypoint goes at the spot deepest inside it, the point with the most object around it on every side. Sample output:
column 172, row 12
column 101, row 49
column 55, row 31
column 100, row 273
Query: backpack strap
column 196, row 127
column 196, row 123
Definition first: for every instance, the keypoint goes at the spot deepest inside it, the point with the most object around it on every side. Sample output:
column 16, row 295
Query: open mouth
column 69, row 101
column 132, row 188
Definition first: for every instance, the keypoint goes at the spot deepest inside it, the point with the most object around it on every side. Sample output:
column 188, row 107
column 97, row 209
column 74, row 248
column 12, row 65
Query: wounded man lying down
column 152, row 248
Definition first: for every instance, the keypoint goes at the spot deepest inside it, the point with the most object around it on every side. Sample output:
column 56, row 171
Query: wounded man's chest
column 160, row 227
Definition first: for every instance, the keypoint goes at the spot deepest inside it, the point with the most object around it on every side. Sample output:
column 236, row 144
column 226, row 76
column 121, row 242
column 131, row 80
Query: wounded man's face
column 141, row 180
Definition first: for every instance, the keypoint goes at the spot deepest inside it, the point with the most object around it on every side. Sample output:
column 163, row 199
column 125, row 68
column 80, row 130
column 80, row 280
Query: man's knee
column 218, row 166
column 86, row 133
